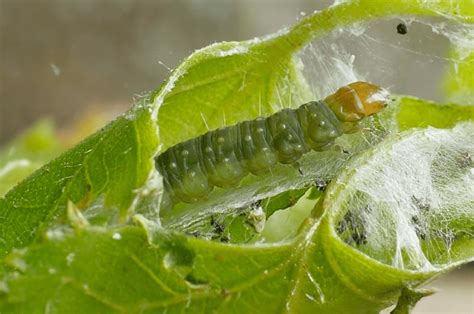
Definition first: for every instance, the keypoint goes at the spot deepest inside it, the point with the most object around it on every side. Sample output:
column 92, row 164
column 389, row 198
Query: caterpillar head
column 357, row 100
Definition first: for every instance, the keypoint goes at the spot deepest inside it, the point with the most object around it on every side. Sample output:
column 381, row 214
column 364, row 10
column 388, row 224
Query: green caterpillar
column 224, row 156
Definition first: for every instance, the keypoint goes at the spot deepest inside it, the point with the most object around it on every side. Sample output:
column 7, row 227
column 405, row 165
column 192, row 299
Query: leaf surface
column 319, row 270
column 114, row 162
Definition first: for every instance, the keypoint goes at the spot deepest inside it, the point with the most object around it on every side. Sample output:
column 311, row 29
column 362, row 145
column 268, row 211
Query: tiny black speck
column 402, row 29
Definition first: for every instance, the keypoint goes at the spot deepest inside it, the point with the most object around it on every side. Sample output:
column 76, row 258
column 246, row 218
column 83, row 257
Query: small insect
column 464, row 160
column 419, row 228
column 224, row 156
column 420, row 204
column 351, row 229
column 321, row 185
column 218, row 226
column 402, row 29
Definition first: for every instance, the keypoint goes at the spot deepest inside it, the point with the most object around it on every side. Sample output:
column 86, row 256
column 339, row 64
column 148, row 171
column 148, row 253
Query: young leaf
column 418, row 113
column 115, row 161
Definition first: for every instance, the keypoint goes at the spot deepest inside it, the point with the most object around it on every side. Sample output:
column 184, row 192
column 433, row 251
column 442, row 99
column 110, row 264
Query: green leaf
column 228, row 82
column 282, row 200
column 408, row 202
column 459, row 82
column 120, row 270
column 408, row 299
column 26, row 153
column 114, row 162
column 405, row 113
column 178, row 274
column 418, row 113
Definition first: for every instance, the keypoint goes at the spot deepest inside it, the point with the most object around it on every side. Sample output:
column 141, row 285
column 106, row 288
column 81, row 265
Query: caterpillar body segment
column 224, row 156
column 256, row 146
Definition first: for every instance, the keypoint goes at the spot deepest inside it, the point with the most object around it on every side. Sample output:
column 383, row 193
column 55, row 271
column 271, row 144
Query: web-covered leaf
column 411, row 205
column 331, row 266
column 324, row 72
